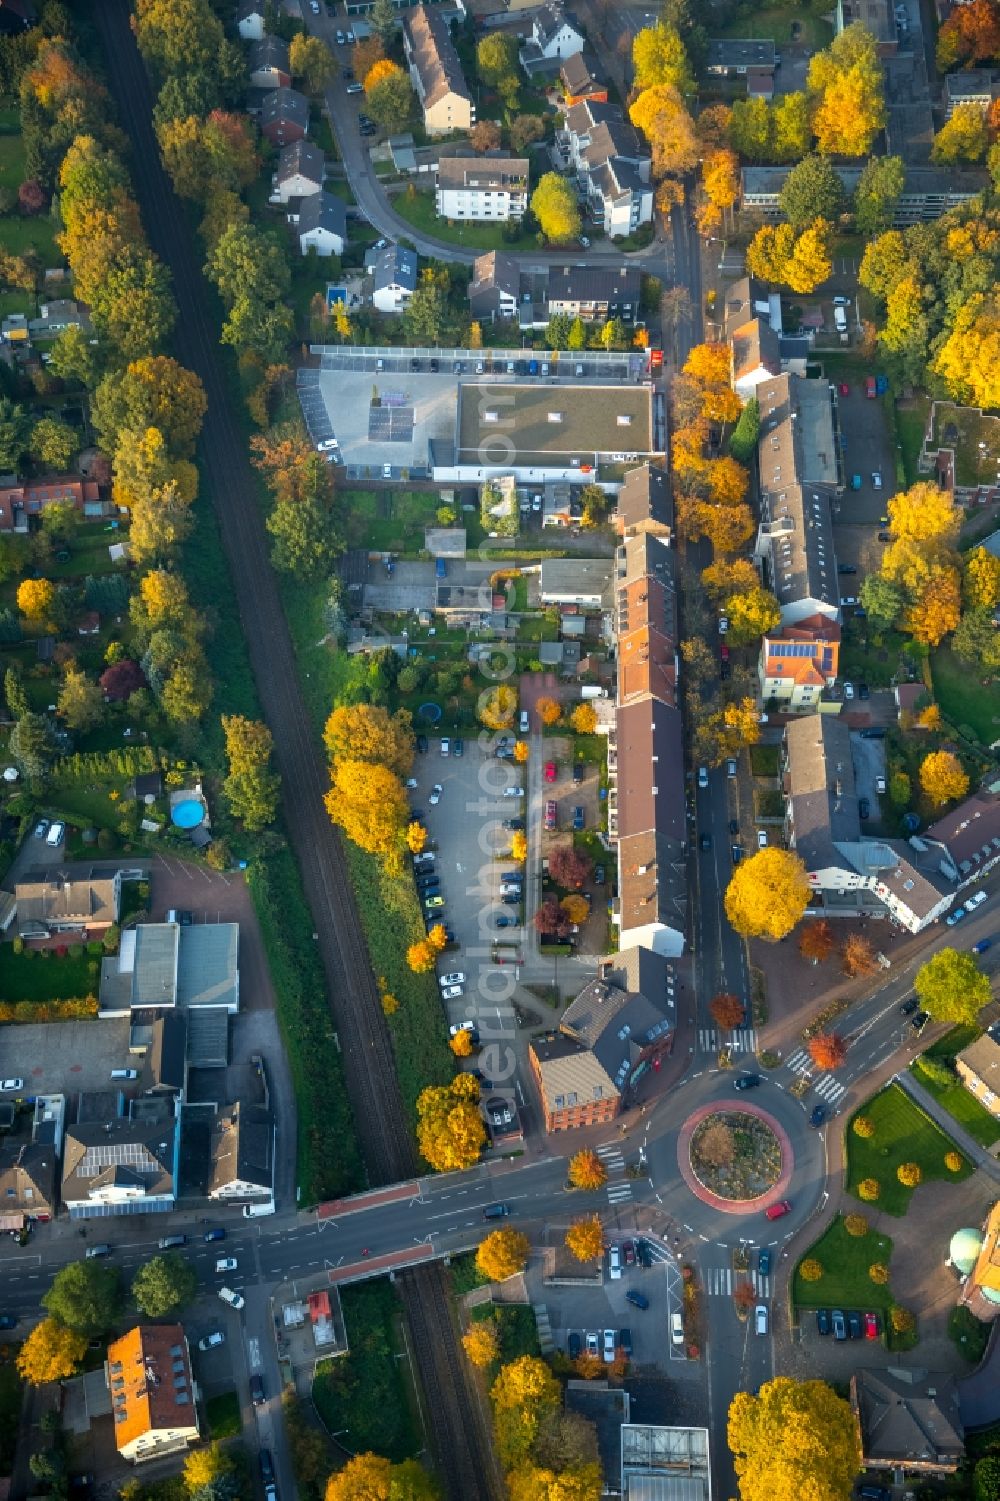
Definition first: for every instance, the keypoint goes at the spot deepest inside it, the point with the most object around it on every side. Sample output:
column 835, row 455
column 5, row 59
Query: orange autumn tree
column 587, row 1171
column 827, row 1050
column 726, row 1011
column 585, row 1238
column 817, row 942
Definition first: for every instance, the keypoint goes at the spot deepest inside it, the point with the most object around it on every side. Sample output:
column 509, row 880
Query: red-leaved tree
column 726, row 1010
column 551, row 920
column 827, row 1049
column 121, row 680
column 570, row 867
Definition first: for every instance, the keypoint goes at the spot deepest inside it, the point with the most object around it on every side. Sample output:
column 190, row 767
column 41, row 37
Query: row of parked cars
column 849, row 1325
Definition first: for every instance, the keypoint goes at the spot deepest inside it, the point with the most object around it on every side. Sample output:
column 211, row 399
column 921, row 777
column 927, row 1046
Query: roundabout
column 735, row 1159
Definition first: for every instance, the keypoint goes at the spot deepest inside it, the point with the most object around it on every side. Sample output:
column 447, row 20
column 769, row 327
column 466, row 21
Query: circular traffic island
column 738, row 1159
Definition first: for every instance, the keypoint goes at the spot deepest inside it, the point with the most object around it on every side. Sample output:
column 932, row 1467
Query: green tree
column 164, row 1285
column 15, row 435
column 577, row 336
column 384, row 21
column 962, row 138
column 53, row 443
column 311, row 60
column 743, row 439
column 390, row 99
column 557, row 331
column 951, row 987
column 304, row 540
column 155, row 392
column 30, row 745
column 425, row 314
column 977, row 641
column 554, row 205
column 247, row 262
column 496, row 57
column 85, row 1296
column 81, row 702
column 883, row 600
column 15, row 693
column 986, row 1478
column 73, row 357
column 751, row 615
column 879, row 190
column 251, row 787
column 812, row 190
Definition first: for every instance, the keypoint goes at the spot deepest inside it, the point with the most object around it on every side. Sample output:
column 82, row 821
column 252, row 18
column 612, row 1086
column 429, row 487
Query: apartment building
column 928, row 192
column 611, row 164
column 495, row 288
column 756, row 356
column 645, row 503
column 578, row 82
column 978, row 1067
column 976, row 86
column 798, row 664
column 482, row 187
column 154, row 1399
column 595, row 293
column 436, row 72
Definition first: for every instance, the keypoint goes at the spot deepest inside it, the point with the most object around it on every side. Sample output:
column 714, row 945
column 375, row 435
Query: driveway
column 858, row 513
column 868, row 757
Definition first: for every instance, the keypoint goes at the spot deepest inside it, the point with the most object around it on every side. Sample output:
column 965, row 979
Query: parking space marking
column 253, row 1352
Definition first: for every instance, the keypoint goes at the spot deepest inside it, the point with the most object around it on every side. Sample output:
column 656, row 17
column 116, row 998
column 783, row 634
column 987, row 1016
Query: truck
column 592, row 691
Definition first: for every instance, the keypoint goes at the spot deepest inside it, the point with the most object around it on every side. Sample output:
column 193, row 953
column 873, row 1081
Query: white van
column 56, row 835
column 840, row 319
column 254, row 1211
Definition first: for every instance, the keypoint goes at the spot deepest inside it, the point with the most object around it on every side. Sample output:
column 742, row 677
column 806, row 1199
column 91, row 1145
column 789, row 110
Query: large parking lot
column 65, row 1057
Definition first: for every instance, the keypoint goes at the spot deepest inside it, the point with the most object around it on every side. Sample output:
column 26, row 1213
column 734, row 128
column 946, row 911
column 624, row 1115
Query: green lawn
column 387, row 520
column 845, row 1260
column 911, row 422
column 955, row 1098
column 902, row 1134
column 18, row 235
column 368, row 1392
column 776, row 21
column 964, row 699
column 30, row 977
column 223, row 1413
column 418, row 209
column 764, row 760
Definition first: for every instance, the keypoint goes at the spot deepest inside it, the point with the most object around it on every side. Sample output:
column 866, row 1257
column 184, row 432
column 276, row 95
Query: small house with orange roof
column 154, row 1399
column 798, row 663
column 578, row 83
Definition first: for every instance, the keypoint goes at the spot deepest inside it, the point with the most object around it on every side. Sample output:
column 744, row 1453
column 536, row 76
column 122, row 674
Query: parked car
column 435, row 796
column 839, row 1324
column 976, row 901
column 11, row 1085
column 574, row 1345
column 848, row 691
column 421, row 744
column 981, row 946
column 56, row 835
column 919, row 1022
column 822, row 1321
column 762, row 839
column 702, row 776
column 610, row 1342
column 779, row 1210
column 818, row 1115
column 614, row 1262
column 257, row 1389
column 549, row 771
column 550, row 814
column 445, row 746
column 8, row 1320
column 864, row 807
column 578, row 818
column 513, row 823
column 600, row 875
column 908, row 1007
column 41, row 828
column 955, row 917
column 577, row 771
column 513, row 792
column 457, row 977
column 433, row 903
column 760, row 1318
column 226, row 1264
column 212, row 1341
column 676, row 1329
column 593, row 1343
column 638, row 1300
column 854, row 1324
column 452, row 992
column 871, row 1326
column 457, row 1027
column 235, row 1300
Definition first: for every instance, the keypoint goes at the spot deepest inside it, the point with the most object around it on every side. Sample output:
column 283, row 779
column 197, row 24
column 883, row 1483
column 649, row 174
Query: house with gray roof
column 120, row 1167
column 300, row 172
column 909, row 1420
column 242, row 1155
column 29, row 1178
column 269, row 66
column 612, row 165
column 321, row 224
column 495, row 287
column 164, row 967
column 734, row 57
column 978, row 1067
column 645, row 503
column 928, row 192
column 595, row 293
column 284, row 116
column 250, row 20
column 78, row 898
column 555, row 35
column 436, row 72
column 394, row 278
column 850, row 873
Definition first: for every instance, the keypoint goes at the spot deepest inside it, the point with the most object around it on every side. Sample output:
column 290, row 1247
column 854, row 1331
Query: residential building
column 436, row 72
column 301, row 170
column 120, row 1167
column 928, row 192
column 976, row 86
column 29, row 1180
column 799, row 477
column 746, row 300
column 394, row 278
column 797, row 664
column 978, row 1067
column 584, row 582
column 607, row 1408
column 154, row 1398
column 877, row 16
column 967, row 838
column 909, row 1419
column 756, row 356
column 269, row 67
column 58, row 315
column 284, row 116
column 16, row 16
column 555, row 35
column 595, row 293
column 22, row 499
column 250, row 20
column 645, row 503
column 981, row 1285
column 646, row 620
column 665, row 1463
column 242, row 1155
column 579, row 83
column 851, row 874
column 79, row 898
column 612, row 166
column 735, row 57
column 544, row 432
column 482, row 187
column 494, row 290
column 164, row 967
column 321, row 224
column 607, row 1039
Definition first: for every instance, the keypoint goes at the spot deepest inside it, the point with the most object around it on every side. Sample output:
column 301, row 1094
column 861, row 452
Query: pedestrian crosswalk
column 826, row 1086
column 721, row 1281
column 743, row 1040
column 619, row 1188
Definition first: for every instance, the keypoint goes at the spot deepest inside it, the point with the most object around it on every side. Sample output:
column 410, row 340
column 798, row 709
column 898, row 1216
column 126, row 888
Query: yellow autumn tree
column 519, row 846
column 727, row 480
column 584, row 719
column 503, row 1254
column 794, row 1438
column 846, row 94
column 383, row 68
column 497, row 707
column 421, row 957
column 575, row 907
column 708, row 364
column 942, row 777
column 481, row 1344
column 203, row 1466
column 369, row 1477
column 369, row 803
column 367, row 732
column 981, row 580
column 586, row 1170
column 969, row 359
column 450, row 1129
column 35, row 598
column 767, row 894
column 462, row 1045
column 662, row 116
column 522, row 751
column 549, row 711
column 51, row 1352
column 585, row 1238
column 438, row 938
column 416, row 837
column 937, row 609
column 925, row 514
column 729, row 576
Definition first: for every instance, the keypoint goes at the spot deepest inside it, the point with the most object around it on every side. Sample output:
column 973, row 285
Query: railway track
column 377, row 1105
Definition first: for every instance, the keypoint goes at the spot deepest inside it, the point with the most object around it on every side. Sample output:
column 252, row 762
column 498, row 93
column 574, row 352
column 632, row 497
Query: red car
column 871, row 1326
column 723, row 653
column 844, row 388
column 775, row 1211
column 550, row 814
column 550, row 771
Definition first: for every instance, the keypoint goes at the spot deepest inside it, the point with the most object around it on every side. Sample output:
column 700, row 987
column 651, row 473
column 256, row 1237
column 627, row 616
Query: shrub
column 18, row 945
column 909, row 1174
column 879, row 1273
column 901, row 1319
column 76, row 951
column 856, row 1225
column 811, row 1270
column 954, row 1161
column 864, row 1127
column 868, row 1189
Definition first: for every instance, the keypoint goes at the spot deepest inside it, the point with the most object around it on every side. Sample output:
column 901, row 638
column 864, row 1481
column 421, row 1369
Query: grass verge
column 964, row 698
column 903, row 1133
column 418, row 209
column 845, row 1260
column 33, row 977
column 223, row 1414
column 367, row 1393
column 329, row 1162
